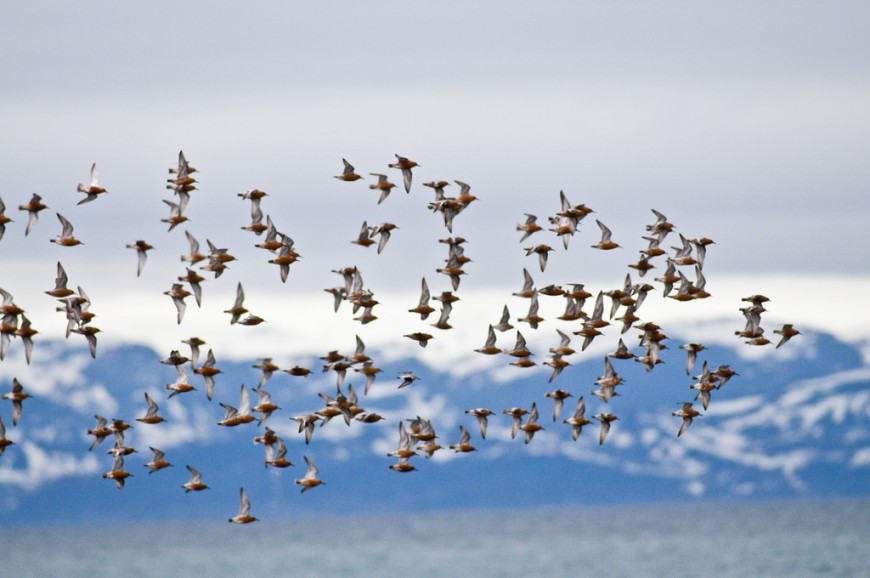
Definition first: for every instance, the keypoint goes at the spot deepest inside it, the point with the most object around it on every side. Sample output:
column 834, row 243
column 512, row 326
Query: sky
column 748, row 123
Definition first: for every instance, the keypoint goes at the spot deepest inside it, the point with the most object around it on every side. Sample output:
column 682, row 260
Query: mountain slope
column 793, row 423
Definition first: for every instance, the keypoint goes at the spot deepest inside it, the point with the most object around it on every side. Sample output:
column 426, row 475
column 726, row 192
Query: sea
column 795, row 538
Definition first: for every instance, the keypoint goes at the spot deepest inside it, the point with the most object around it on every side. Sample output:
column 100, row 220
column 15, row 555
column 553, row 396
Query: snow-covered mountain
column 795, row 422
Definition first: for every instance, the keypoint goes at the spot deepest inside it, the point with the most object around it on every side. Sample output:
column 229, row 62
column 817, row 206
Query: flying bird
column 687, row 413
column 158, row 462
column 605, row 420
column 32, row 207
column 151, row 414
column 117, row 473
column 578, row 420
column 405, row 165
column 383, row 185
column 208, row 371
column 529, row 227
column 4, row 443
column 423, row 308
column 238, row 308
column 195, row 483
column 605, row 244
column 348, row 173
column 142, row 249
column 787, row 332
column 178, row 295
column 180, row 385
column 481, row 413
column 16, row 396
column 244, row 516
column 531, row 426
column 464, row 444
column 310, row 480
column 92, row 189
column 3, row 218
column 66, row 237
column 407, row 378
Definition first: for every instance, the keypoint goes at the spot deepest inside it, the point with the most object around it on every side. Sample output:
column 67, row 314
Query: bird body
column 310, row 480
column 244, row 516
column 195, row 483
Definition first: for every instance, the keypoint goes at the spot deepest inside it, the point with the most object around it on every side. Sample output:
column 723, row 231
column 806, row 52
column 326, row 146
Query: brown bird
column 692, row 350
column 3, row 218
column 208, row 371
column 405, row 165
column 195, row 256
column 384, row 230
column 605, row 244
column 531, row 426
column 402, row 466
column 348, row 173
column 383, row 185
column 233, row 416
column 423, row 308
column 194, row 279
column 244, row 516
column 489, row 348
column 178, row 294
column 238, row 309
column 183, row 168
column 787, row 332
column 60, row 289
column 464, row 444
column 279, row 459
column 92, row 189
column 33, row 207
column 157, row 462
column 481, row 413
column 142, row 249
column 4, row 443
column 528, row 290
column 578, row 420
column 542, row 251
column 25, row 331
column 256, row 226
column 66, row 238
column 604, row 419
column 16, row 396
column 532, row 317
column 180, row 385
column 504, row 322
column 516, row 414
column 176, row 212
column 298, row 371
column 99, row 431
column 687, row 413
column 364, row 239
column 117, row 473
column 421, row 338
column 520, row 349
column 564, row 347
column 558, row 396
column 310, row 480
column 195, row 483
column 151, row 415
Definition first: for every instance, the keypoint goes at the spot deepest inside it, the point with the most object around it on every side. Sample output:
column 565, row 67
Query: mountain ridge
column 789, row 426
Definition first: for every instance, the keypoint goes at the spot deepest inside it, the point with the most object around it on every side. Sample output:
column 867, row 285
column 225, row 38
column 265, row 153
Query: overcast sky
column 745, row 122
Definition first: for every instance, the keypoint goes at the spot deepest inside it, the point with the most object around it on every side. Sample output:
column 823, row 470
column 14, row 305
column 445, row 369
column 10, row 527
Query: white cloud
column 184, row 425
column 44, row 466
column 696, row 488
column 861, row 458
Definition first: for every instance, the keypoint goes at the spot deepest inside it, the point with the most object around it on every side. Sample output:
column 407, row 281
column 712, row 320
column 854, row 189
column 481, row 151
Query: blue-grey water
column 766, row 539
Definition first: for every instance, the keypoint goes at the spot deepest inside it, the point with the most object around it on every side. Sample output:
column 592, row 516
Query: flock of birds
column 682, row 280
